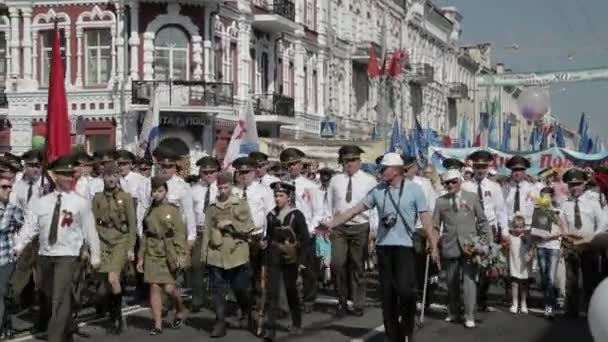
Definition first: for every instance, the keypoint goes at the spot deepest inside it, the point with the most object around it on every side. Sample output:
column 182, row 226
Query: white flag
column 244, row 139
column 150, row 131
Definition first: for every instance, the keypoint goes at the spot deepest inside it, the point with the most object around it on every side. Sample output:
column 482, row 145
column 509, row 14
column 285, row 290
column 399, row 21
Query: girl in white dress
column 520, row 263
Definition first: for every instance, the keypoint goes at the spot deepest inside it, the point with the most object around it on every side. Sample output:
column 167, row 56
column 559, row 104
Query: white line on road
column 370, row 334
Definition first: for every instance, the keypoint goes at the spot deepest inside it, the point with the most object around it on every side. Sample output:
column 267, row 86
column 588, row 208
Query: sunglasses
column 145, row 168
column 6, row 187
column 451, row 182
column 208, row 172
column 290, row 164
column 32, row 164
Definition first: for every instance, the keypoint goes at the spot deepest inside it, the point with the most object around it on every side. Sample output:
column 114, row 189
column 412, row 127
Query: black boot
column 116, row 315
column 219, row 329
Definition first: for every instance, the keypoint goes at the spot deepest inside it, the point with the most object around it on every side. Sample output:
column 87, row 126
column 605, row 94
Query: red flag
column 373, row 71
column 477, row 142
column 394, row 68
column 58, row 125
column 447, row 141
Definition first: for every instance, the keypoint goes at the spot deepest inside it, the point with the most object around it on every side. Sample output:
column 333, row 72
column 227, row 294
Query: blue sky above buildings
column 551, row 35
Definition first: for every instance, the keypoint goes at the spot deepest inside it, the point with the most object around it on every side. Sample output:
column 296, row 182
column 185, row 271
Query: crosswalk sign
column 328, row 129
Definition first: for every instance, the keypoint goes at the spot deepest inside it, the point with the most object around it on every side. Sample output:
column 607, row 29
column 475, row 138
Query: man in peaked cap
column 492, row 202
column 204, row 193
column 63, row 221
column 583, row 217
column 130, row 181
column 101, row 159
column 15, row 161
column 260, row 199
column 307, row 201
column 144, row 166
column 29, row 186
column 85, row 170
column 263, row 167
column 350, row 240
column 452, row 164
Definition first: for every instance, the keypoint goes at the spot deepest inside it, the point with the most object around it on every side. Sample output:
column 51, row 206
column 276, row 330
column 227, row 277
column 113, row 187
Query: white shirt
column 429, row 194
column 132, row 183
column 493, row 202
column 528, row 193
column 82, row 185
column 180, row 194
column 362, row 184
column 199, row 191
column 261, row 201
column 269, row 179
column 307, row 201
column 95, row 185
column 592, row 216
column 144, row 200
column 18, row 176
column 70, row 236
column 20, row 190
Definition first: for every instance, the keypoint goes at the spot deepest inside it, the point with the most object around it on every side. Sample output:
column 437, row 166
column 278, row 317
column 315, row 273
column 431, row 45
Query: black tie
column 578, row 223
column 454, row 204
column 516, row 204
column 349, row 190
column 245, row 192
column 30, row 190
column 55, row 221
column 480, row 194
column 207, row 198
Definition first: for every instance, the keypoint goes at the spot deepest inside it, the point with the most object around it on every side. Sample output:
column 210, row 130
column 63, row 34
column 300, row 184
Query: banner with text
column 539, row 160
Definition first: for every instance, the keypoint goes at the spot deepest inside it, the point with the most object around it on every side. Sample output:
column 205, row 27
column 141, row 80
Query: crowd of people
column 250, row 234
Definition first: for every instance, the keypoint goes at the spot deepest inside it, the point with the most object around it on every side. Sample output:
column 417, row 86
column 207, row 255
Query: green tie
column 55, row 221
column 349, row 190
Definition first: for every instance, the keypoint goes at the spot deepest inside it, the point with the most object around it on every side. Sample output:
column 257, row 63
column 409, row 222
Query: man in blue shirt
column 399, row 202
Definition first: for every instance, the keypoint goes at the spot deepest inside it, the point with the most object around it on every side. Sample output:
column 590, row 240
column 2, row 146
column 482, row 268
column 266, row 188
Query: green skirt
column 156, row 271
column 113, row 257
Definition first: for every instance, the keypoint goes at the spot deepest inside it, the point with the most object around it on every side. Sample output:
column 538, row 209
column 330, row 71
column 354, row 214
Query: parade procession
column 301, row 170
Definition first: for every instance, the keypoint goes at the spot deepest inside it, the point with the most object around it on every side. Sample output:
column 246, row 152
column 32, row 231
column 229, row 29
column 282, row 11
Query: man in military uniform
column 144, row 166
column 225, row 251
column 63, row 222
column 307, row 200
column 204, row 193
column 493, row 204
column 262, row 168
column 15, row 162
column 85, row 172
column 96, row 184
column 116, row 224
column 452, row 164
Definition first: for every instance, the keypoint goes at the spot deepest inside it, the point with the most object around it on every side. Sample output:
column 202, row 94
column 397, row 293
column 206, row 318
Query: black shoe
column 219, row 329
column 155, row 331
column 177, row 323
column 341, row 310
column 357, row 312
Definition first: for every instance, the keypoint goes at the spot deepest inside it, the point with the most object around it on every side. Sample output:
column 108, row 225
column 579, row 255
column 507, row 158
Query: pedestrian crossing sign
column 328, row 129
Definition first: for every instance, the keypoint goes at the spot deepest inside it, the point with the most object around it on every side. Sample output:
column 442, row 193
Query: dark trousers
column 255, row 263
column 56, row 273
column 587, row 263
column 238, row 279
column 5, row 275
column 349, row 245
column 310, row 277
column 397, row 290
column 278, row 270
column 23, row 273
column 196, row 274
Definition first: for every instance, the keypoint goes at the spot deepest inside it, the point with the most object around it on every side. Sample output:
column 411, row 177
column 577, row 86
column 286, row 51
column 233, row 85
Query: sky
column 547, row 33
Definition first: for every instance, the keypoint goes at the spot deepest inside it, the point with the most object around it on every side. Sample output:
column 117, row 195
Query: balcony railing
column 274, row 104
column 3, row 99
column 421, row 73
column 182, row 93
column 284, row 8
column 458, row 91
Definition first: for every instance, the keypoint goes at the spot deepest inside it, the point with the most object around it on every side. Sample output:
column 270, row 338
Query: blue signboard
column 328, row 129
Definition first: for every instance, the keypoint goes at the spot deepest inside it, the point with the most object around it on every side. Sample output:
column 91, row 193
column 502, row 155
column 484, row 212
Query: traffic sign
column 328, row 129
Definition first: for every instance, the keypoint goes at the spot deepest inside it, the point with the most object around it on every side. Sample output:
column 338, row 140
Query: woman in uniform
column 116, row 225
column 287, row 248
column 163, row 253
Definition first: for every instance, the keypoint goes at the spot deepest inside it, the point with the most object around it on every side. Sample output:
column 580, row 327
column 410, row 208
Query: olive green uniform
column 164, row 249
column 225, row 251
column 116, row 225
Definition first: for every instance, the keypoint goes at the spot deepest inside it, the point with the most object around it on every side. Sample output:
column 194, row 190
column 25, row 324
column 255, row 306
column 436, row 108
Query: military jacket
column 115, row 218
column 164, row 235
column 226, row 231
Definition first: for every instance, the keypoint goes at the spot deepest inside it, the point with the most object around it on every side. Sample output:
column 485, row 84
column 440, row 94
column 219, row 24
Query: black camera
column 389, row 220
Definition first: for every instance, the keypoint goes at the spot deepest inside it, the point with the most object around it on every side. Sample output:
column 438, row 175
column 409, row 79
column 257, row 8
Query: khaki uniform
column 164, row 247
column 227, row 226
column 116, row 225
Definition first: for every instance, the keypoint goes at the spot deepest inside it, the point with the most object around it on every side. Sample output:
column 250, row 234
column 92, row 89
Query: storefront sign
column 179, row 120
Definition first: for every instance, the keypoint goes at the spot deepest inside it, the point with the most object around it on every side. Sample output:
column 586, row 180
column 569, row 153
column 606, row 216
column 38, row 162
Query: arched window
column 171, row 60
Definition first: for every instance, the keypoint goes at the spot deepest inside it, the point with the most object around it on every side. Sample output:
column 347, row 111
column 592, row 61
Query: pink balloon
column 533, row 103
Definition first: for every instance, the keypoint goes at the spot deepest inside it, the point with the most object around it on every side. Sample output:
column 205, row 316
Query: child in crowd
column 520, row 264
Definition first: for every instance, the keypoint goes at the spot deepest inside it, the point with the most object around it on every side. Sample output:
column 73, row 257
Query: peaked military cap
column 29, row 156
column 244, row 164
column 83, row 158
column 379, row 159
column 63, row 164
column 260, row 158
column 452, row 164
column 326, row 171
column 15, row 159
column 283, row 187
column 518, row 163
column 208, row 163
column 158, row 181
column 574, row 176
column 145, row 161
column 110, row 169
column 104, row 156
column 291, row 155
column 481, row 157
column 6, row 166
column 124, row 155
column 165, row 156
column 350, row 152
column 224, row 178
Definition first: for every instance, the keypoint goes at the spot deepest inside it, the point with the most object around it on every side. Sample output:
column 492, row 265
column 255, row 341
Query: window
column 310, row 14
column 98, row 44
column 95, row 143
column 252, row 73
column 264, row 71
column 3, row 68
column 171, row 60
column 219, row 60
column 46, row 50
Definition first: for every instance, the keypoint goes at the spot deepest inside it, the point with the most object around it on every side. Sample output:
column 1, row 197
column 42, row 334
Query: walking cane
column 420, row 323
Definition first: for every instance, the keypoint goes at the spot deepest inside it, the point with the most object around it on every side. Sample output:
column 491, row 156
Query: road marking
column 370, row 334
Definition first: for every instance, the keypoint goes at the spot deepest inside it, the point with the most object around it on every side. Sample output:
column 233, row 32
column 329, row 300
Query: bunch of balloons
column 534, row 103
